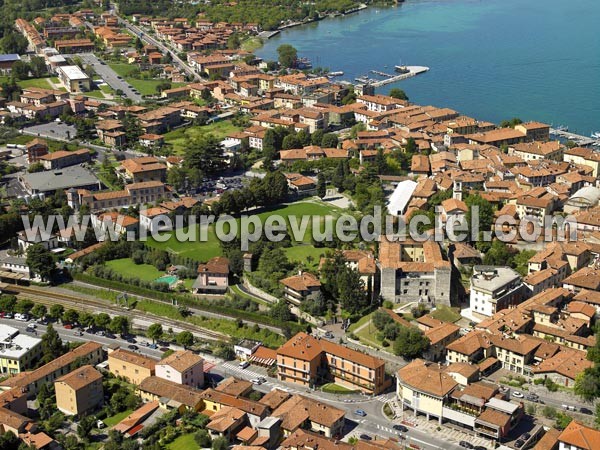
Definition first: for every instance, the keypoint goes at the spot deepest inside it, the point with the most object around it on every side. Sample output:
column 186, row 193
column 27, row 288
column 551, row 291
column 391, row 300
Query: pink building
column 182, row 367
column 213, row 277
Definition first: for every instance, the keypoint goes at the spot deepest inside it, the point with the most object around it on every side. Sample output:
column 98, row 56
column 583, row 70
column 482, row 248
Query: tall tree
column 410, row 343
column 205, row 153
column 398, row 93
column 52, row 346
column 155, row 331
column 287, row 55
column 185, row 339
column 40, row 261
column 321, row 185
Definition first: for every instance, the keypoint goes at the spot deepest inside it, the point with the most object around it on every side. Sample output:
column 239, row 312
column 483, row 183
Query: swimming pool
column 169, row 279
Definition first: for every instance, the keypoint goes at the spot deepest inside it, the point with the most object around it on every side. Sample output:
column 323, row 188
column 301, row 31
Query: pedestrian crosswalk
column 245, row 373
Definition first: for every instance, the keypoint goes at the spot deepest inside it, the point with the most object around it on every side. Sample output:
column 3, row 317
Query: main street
column 137, row 31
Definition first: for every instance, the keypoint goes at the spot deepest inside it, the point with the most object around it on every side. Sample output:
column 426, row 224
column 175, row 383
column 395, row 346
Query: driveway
column 109, row 76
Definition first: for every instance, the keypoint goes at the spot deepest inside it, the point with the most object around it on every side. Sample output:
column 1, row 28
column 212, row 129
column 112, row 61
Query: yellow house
column 80, row 391
column 170, row 395
column 133, row 367
column 19, row 351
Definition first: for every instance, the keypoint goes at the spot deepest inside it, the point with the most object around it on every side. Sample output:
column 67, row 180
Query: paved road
column 57, row 132
column 164, row 49
column 109, row 76
column 69, row 336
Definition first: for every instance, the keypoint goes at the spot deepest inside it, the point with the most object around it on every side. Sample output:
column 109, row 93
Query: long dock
column 412, row 72
column 577, row 138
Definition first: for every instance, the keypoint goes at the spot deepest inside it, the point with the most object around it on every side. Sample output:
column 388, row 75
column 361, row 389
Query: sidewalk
column 448, row 432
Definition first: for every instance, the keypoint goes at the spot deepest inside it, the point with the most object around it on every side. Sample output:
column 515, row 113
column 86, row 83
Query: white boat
column 339, row 73
column 596, row 135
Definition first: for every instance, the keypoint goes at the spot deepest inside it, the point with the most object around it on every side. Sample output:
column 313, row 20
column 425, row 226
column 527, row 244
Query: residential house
column 182, row 367
column 170, row 395
column 494, row 289
column 213, row 276
column 79, row 392
column 131, row 366
column 298, row 288
column 18, row 351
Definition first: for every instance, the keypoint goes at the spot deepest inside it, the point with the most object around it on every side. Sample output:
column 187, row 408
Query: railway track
column 49, row 298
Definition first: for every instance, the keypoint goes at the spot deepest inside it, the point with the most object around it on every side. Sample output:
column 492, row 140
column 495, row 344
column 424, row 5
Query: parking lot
column 110, row 76
column 52, row 130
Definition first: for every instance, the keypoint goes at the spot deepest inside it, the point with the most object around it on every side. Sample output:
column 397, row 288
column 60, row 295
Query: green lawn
column 366, row 334
column 203, row 251
column 184, row 442
column 113, row 420
column 446, row 313
column 300, row 253
column 333, row 388
column 145, row 87
column 128, row 268
column 178, row 138
column 252, row 44
column 97, row 93
column 194, row 249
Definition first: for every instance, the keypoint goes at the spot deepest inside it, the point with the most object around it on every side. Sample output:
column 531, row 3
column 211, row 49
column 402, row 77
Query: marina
column 582, row 141
column 405, row 72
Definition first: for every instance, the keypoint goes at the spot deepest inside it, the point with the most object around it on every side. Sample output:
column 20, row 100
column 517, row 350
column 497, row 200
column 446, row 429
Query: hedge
column 187, row 300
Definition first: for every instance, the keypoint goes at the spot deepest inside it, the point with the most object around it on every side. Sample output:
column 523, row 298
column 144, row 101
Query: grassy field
column 178, row 138
column 145, row 87
column 365, row 331
column 252, row 44
column 446, row 313
column 184, row 442
column 203, row 251
column 113, row 420
column 128, row 268
column 194, row 249
column 300, row 253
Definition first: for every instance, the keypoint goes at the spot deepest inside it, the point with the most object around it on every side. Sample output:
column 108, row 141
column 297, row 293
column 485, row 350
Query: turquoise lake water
column 493, row 60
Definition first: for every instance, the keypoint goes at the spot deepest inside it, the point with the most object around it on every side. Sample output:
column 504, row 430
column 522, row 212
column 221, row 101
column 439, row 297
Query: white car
column 517, row 394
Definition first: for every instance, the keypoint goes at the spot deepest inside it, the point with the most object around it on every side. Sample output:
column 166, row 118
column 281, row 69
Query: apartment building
column 494, row 289
column 74, row 79
column 414, row 272
column 132, row 194
column 18, row 352
column 79, row 392
column 310, row 361
column 90, row 353
column 63, row 158
column 131, row 366
column 182, row 367
column 145, row 168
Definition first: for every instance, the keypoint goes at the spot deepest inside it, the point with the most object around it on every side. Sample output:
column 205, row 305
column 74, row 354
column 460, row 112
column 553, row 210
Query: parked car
column 329, row 335
column 480, row 447
column 465, row 444
column 243, row 364
column 131, row 340
column 21, row 317
column 517, row 394
column 132, row 347
column 262, row 379
column 519, row 443
column 532, row 398
column 8, row 315
column 365, row 437
column 256, row 381
column 401, row 428
column 153, row 346
column 586, row 411
column 78, row 333
column 360, row 412
column 68, row 326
